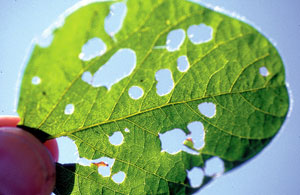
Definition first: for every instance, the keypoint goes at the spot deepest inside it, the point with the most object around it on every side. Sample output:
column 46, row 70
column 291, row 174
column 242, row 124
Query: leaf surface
column 250, row 107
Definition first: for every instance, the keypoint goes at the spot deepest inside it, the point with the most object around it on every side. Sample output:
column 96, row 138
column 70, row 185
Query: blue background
column 274, row 171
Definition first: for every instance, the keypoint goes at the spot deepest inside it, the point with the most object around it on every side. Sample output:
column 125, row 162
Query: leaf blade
column 250, row 108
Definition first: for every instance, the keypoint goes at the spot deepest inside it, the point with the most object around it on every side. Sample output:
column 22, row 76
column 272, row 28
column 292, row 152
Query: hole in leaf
column 87, row 77
column 119, row 66
column 69, row 109
column 105, row 168
column 200, row 33
column 119, row 177
column 263, row 71
column 135, row 92
column 116, row 138
column 68, row 151
column 36, row 80
column 83, row 161
column 195, row 176
column 175, row 39
column 183, row 64
column 208, row 109
column 126, row 130
column 214, row 167
column 104, row 164
column 172, row 142
column 197, row 134
column 93, row 48
column 165, row 82
column 113, row 22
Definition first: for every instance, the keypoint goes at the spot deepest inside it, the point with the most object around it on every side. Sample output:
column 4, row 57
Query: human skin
column 12, row 121
column 27, row 166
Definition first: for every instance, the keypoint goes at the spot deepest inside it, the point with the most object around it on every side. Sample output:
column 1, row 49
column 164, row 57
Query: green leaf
column 250, row 107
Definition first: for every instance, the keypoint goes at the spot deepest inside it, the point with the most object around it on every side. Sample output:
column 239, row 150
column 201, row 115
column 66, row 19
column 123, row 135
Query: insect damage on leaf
column 208, row 109
column 165, row 82
column 183, row 63
column 165, row 68
column 175, row 39
column 113, row 22
column 135, row 92
column 214, row 167
column 91, row 49
column 122, row 63
column 200, row 33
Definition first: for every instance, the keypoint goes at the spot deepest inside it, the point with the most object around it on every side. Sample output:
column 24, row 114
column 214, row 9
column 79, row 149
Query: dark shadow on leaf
column 39, row 134
column 65, row 176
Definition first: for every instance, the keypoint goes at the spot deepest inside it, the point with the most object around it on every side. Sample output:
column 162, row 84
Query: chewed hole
column 36, row 80
column 83, row 161
column 208, row 109
column 165, row 82
column 197, row 134
column 135, row 92
column 263, row 71
column 119, row 66
column 214, row 167
column 116, row 138
column 104, row 171
column 172, row 142
column 126, row 130
column 195, row 176
column 113, row 22
column 200, row 33
column 87, row 77
column 68, row 151
column 69, row 109
column 93, row 48
column 183, row 64
column 104, row 165
column 119, row 177
column 175, row 39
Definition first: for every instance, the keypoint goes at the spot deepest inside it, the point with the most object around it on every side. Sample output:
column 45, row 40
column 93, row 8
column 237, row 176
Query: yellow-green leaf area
column 250, row 107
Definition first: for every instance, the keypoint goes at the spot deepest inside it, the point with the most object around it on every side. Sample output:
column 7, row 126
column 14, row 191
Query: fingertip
column 52, row 147
column 9, row 121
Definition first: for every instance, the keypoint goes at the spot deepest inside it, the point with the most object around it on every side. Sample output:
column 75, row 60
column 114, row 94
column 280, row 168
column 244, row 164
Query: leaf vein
column 154, row 108
column 128, row 163
column 245, row 67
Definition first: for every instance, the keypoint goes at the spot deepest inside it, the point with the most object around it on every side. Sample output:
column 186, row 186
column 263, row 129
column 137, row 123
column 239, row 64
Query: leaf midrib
column 108, row 119
column 67, row 133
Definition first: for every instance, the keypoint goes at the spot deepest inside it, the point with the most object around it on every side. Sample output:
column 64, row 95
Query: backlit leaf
column 220, row 84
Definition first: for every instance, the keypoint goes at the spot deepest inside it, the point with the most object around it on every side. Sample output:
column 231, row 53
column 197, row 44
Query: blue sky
column 274, row 171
